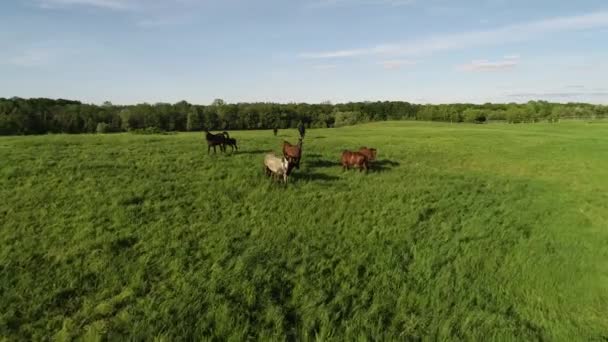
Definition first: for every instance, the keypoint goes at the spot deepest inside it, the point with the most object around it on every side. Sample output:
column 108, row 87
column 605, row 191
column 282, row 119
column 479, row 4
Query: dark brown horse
column 355, row 160
column 232, row 143
column 293, row 153
column 214, row 140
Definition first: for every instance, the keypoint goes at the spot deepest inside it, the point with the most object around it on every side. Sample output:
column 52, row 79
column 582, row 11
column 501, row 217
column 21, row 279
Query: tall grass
column 462, row 232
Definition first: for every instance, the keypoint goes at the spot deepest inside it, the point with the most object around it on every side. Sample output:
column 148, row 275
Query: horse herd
column 281, row 167
column 222, row 140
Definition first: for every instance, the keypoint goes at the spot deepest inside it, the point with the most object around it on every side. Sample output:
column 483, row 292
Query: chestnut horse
column 355, row 160
column 370, row 153
column 293, row 153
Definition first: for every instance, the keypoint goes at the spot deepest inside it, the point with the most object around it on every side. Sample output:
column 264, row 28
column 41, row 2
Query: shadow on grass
column 313, row 177
column 322, row 163
column 252, row 152
column 383, row 165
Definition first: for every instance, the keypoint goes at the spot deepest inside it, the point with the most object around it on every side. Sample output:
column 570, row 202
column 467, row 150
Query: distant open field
column 484, row 232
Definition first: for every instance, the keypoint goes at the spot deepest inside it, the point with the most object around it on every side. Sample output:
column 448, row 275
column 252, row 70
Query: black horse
column 214, row 140
column 230, row 142
column 301, row 130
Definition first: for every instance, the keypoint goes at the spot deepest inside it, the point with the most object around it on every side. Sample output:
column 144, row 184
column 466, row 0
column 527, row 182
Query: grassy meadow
column 461, row 232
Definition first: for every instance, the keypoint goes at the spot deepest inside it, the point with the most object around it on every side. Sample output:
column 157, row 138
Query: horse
column 369, row 152
column 275, row 166
column 301, row 130
column 275, row 131
column 232, row 143
column 354, row 159
column 214, row 140
column 229, row 141
column 293, row 153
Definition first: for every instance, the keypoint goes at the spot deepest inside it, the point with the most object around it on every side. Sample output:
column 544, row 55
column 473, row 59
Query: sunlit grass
column 485, row 232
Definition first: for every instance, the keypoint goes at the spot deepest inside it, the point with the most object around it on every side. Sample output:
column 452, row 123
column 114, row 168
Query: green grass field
column 463, row 232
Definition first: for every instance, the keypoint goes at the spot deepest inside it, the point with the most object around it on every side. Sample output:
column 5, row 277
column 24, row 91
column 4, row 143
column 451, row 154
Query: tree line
column 41, row 115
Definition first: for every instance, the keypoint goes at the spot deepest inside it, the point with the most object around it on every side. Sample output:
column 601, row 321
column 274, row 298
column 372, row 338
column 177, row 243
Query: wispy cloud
column 396, row 64
column 105, row 4
column 165, row 6
column 508, row 62
column 324, row 66
column 33, row 57
column 335, row 3
column 161, row 21
column 574, row 86
column 507, row 34
column 148, row 13
column 560, row 94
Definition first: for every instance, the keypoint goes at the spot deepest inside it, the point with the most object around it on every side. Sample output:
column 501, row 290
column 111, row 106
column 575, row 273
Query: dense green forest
column 39, row 116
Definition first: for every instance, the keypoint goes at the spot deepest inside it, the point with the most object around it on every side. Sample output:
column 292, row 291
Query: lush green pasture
column 471, row 232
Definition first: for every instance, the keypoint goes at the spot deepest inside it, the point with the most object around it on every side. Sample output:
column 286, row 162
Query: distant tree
column 102, row 128
column 348, row 118
column 218, row 102
column 194, row 120
column 37, row 116
column 475, row 116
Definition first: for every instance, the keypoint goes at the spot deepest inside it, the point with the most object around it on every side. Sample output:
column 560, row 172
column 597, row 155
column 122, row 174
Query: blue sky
column 433, row 51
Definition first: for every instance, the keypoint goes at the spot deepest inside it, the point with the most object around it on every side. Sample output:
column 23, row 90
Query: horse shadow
column 314, row 177
column 383, row 165
column 322, row 163
column 251, row 152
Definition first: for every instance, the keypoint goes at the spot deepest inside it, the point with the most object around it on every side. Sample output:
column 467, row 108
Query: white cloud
column 334, row 3
column 485, row 65
column 33, row 57
column 121, row 5
column 395, row 64
column 507, row 34
column 558, row 95
column 324, row 66
column 106, row 4
column 574, row 86
column 153, row 22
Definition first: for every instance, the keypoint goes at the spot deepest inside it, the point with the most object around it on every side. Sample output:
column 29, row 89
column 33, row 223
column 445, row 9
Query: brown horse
column 370, row 153
column 214, row 140
column 355, row 160
column 293, row 153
